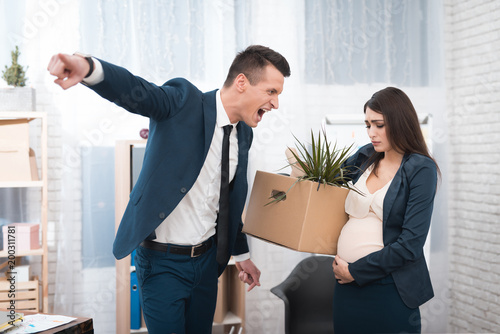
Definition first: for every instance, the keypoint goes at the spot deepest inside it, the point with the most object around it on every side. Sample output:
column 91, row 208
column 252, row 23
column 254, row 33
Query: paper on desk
column 39, row 322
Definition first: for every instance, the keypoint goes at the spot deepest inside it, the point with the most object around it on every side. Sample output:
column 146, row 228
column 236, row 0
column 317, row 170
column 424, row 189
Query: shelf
column 230, row 319
column 41, row 148
column 18, row 253
column 22, row 114
column 21, row 184
column 26, row 296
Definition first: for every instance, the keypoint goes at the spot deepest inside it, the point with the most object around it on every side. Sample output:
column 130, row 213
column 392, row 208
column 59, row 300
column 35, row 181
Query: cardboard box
column 25, row 235
column 309, row 219
column 23, row 273
column 17, row 161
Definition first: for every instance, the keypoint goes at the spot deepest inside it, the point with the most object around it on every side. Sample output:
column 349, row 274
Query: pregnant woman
column 382, row 277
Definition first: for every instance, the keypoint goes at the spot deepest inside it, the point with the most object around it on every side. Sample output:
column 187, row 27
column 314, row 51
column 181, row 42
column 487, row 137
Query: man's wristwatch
column 90, row 61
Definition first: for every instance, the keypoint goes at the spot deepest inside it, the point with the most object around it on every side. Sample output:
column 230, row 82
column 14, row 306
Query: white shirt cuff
column 97, row 75
column 241, row 257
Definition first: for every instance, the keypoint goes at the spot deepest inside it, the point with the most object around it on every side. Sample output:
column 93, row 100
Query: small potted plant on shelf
column 15, row 75
column 303, row 211
column 16, row 97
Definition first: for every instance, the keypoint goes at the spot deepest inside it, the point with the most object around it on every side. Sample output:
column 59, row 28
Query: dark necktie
column 223, row 218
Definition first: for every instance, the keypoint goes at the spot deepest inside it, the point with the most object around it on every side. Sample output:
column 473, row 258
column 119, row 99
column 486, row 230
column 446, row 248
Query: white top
column 362, row 234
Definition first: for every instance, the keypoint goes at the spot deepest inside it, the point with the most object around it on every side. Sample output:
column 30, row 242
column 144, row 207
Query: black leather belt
column 192, row 251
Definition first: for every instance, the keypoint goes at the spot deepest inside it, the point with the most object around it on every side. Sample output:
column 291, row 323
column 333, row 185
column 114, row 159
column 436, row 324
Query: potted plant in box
column 306, row 213
column 16, row 97
column 323, row 164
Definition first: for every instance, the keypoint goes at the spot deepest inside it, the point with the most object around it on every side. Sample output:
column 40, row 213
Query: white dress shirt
column 194, row 219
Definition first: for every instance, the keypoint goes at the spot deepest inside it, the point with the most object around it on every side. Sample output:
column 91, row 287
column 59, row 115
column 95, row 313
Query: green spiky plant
column 324, row 164
column 14, row 75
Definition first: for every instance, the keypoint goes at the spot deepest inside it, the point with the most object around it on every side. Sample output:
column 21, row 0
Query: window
column 369, row 41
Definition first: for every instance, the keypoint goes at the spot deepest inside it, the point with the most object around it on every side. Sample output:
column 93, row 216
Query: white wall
column 473, row 80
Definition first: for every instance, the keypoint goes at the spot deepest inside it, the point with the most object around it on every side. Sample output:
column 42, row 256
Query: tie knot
column 227, row 129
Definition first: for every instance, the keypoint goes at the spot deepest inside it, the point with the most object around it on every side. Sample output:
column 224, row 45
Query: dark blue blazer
column 181, row 127
column 407, row 211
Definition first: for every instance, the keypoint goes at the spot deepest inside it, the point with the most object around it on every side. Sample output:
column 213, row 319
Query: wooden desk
column 80, row 325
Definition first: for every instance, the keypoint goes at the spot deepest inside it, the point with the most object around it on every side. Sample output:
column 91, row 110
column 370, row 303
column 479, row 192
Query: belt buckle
column 193, row 248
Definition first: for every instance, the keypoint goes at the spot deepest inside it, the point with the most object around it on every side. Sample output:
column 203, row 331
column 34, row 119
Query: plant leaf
column 324, row 163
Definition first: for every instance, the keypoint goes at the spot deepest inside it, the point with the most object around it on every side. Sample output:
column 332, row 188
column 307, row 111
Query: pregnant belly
column 360, row 237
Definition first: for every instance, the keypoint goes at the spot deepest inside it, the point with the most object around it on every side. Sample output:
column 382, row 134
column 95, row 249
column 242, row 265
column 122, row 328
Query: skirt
column 372, row 308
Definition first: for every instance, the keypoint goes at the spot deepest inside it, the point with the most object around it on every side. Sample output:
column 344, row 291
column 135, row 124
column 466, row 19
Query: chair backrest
column 308, row 296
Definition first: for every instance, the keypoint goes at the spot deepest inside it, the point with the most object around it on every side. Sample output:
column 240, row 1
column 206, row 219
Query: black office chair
column 308, row 296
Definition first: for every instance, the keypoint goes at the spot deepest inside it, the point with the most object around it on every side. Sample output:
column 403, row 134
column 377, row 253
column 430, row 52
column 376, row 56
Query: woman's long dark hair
column 401, row 122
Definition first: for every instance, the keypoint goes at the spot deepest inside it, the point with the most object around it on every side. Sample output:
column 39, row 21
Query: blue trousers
column 178, row 293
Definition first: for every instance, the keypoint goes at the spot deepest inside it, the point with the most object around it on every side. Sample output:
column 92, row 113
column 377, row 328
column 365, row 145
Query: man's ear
column 241, row 82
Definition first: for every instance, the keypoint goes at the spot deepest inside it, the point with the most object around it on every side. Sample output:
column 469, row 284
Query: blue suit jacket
column 182, row 123
column 407, row 212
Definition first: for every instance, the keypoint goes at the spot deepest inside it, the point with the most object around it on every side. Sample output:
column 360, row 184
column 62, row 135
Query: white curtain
column 162, row 39
column 368, row 41
column 340, row 52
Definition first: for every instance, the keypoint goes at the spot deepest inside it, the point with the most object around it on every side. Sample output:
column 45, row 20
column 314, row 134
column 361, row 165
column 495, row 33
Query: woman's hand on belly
column 341, row 270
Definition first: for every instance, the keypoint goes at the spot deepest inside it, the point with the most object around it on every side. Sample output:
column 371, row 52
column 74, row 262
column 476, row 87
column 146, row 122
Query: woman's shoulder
column 366, row 149
column 419, row 160
column 361, row 155
column 416, row 163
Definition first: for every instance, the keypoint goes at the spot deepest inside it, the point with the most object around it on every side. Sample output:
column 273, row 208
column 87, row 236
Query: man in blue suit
column 172, row 218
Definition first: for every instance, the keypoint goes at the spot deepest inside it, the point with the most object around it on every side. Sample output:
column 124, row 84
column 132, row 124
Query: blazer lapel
column 210, row 115
column 393, row 190
column 243, row 144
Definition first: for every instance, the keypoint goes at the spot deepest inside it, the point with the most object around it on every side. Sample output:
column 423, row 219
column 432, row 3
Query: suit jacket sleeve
column 408, row 246
column 241, row 245
column 141, row 97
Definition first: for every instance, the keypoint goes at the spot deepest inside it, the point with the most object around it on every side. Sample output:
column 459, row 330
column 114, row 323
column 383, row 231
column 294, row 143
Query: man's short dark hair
column 252, row 62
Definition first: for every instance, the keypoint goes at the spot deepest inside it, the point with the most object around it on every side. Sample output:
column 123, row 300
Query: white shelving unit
column 40, row 184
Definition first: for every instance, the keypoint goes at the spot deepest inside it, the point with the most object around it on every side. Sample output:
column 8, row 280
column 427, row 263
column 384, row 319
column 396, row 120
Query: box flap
column 15, row 151
column 14, row 133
